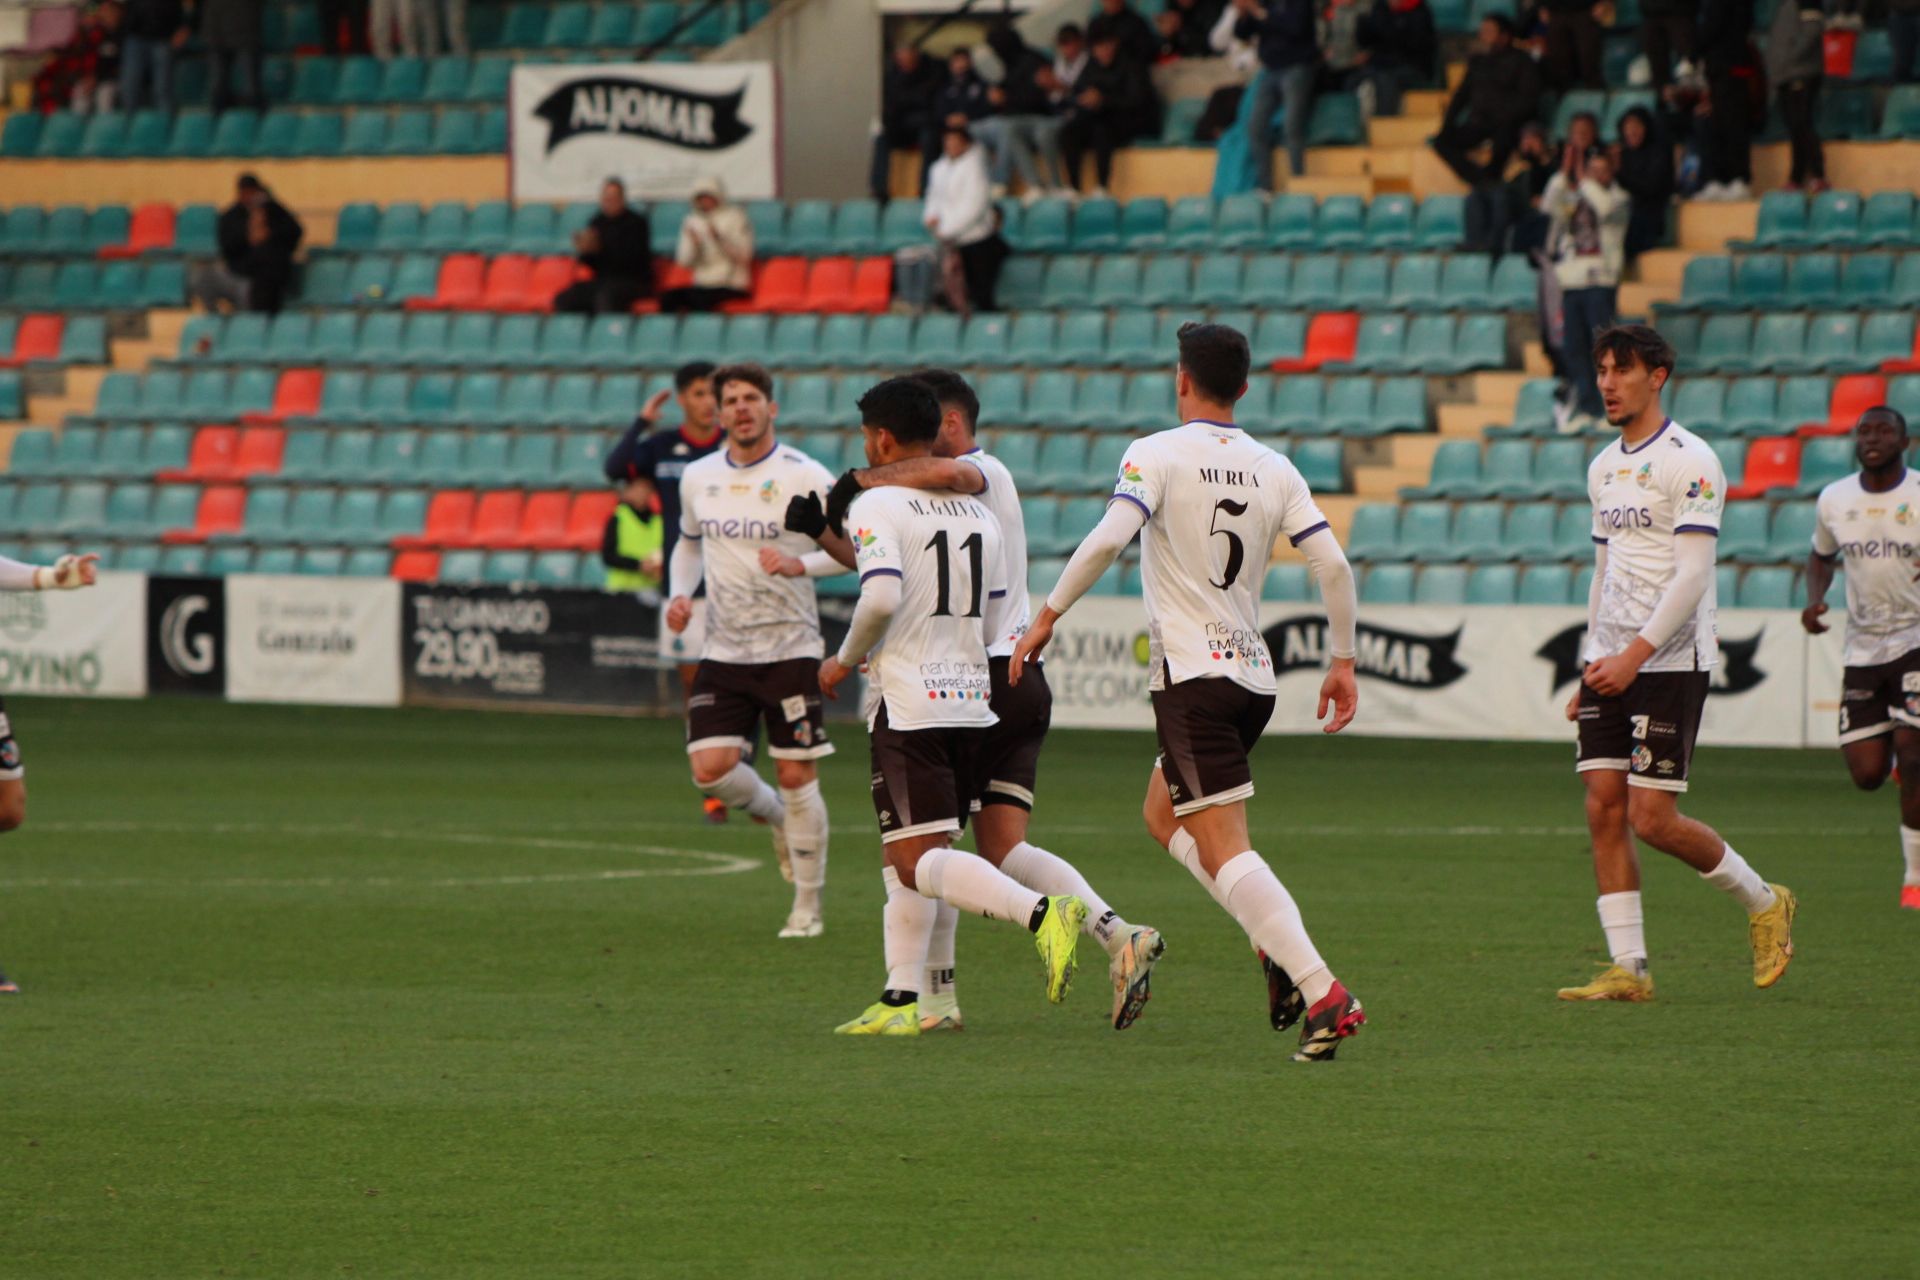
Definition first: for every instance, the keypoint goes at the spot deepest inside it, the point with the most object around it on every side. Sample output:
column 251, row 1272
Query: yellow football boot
column 1056, row 940
column 1771, row 933
column 1613, row 983
column 883, row 1020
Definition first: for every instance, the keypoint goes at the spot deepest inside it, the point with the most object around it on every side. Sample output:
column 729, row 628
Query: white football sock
column 742, row 788
column 1267, row 912
column 1910, row 845
column 938, row 987
column 1050, row 874
column 971, row 883
column 1186, row 851
column 1621, row 921
column 806, row 843
column 1734, row 876
column 905, row 924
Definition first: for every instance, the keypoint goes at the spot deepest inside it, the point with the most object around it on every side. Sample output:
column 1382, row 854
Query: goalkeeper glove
column 840, row 497
column 806, row 516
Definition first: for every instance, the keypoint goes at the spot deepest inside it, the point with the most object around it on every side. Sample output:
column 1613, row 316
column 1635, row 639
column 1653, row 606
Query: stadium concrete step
column 1322, row 187
column 1406, row 132
column 1706, row 227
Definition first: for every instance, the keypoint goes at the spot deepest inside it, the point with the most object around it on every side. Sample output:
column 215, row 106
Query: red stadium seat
column 780, row 284
column 296, row 395
column 210, row 458
column 1853, row 395
column 223, row 509
column 259, row 452
column 873, row 285
column 37, row 338
column 416, row 566
column 549, row 276
column 152, row 228
column 1331, row 336
column 496, row 520
column 830, row 285
column 508, row 279
column 1837, row 48
column 449, row 520
column 543, row 521
column 667, row 274
column 459, row 284
column 587, row 522
column 1772, row 463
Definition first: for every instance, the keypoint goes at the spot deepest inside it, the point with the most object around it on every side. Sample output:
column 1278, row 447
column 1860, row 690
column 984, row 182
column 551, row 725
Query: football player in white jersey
column 1212, row 502
column 933, row 594
column 762, row 651
column 1872, row 521
column 1008, row 767
column 1657, row 496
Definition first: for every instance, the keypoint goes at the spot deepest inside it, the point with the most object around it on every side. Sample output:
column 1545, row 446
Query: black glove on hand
column 806, row 516
column 840, row 497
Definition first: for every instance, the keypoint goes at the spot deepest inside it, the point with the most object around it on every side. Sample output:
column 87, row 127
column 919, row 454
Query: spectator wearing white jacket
column 1587, row 247
column 716, row 244
column 960, row 213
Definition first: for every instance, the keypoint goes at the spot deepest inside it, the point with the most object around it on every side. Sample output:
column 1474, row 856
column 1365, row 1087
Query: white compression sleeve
column 1692, row 571
column 1096, row 553
column 1593, row 589
column 15, row 576
column 685, row 569
column 819, row 564
column 1335, row 576
column 879, row 597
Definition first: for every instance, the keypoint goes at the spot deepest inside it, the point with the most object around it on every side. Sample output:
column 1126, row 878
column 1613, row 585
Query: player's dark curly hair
column 1216, row 357
column 952, row 391
column 1886, row 411
column 691, row 372
column 752, row 374
column 1634, row 344
column 905, row 406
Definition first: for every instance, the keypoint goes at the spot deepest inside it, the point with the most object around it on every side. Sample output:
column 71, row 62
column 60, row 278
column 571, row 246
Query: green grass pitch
column 328, row 992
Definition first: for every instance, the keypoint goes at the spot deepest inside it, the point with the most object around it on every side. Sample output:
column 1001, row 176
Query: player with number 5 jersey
column 1212, row 501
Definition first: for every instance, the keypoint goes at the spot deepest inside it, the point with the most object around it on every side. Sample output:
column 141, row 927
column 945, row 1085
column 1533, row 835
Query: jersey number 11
column 971, row 545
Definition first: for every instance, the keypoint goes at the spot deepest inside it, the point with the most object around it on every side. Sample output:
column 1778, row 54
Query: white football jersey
column 732, row 511
column 1215, row 500
column 1003, row 500
column 931, row 665
column 1643, row 497
column 1878, row 536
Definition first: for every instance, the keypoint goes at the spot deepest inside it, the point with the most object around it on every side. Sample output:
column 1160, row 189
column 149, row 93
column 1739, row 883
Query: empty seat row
column 1442, row 532
column 110, row 231
column 1836, row 219
column 1507, row 469
column 1757, row 405
column 1390, row 583
column 1791, row 342
column 1764, row 281
column 53, row 338
column 245, row 133
column 80, row 285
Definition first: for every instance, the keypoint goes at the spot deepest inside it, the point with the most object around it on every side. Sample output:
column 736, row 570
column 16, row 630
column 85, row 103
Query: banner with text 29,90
column 659, row 126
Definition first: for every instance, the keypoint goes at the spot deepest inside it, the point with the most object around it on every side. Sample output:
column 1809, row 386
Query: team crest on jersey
column 1701, row 489
column 1903, row 514
column 1642, row 759
column 1130, row 474
column 862, row 539
column 770, row 491
column 1644, row 476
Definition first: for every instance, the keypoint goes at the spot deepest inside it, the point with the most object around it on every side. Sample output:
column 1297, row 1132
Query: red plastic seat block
column 459, row 285
column 259, row 451
column 37, row 338
column 496, row 520
column 587, row 522
column 1331, row 337
column 1853, row 395
column 449, row 520
column 297, row 394
column 549, row 276
column 416, row 566
column 1836, row 48
column 211, row 456
column 152, row 228
column 873, row 285
column 779, row 284
column 543, row 521
column 505, row 287
column 830, row 285
column 1772, row 463
column 223, row 509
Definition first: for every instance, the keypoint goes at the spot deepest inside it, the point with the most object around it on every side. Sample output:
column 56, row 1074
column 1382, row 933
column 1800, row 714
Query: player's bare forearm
column 839, row 546
column 925, row 473
column 1340, row 691
column 1035, row 638
column 1611, row 675
column 1819, row 578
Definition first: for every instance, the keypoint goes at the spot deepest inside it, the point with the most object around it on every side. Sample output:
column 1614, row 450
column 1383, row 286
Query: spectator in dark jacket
column 1500, row 93
column 1112, row 104
column 1903, row 32
column 1138, row 43
column 1723, row 40
column 1184, row 26
column 150, row 32
column 1644, row 162
column 1024, row 126
column 231, row 31
column 1289, row 58
column 257, row 238
column 1666, row 36
column 83, row 75
column 1796, row 63
column 1572, row 58
column 617, row 246
column 907, row 116
column 1397, row 47
column 963, row 98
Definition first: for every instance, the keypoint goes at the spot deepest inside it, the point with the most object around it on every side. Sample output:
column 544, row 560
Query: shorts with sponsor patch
column 729, row 698
column 1206, row 727
column 1647, row 732
column 1009, row 759
column 1874, row 700
column 923, row 779
column 10, row 766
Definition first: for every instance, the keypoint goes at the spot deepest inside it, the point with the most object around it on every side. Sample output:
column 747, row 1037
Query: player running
column 1212, row 501
column 1869, row 519
column 1008, row 766
column 1657, row 496
column 68, row 573
column 761, row 653
column 654, row 460
column 933, row 592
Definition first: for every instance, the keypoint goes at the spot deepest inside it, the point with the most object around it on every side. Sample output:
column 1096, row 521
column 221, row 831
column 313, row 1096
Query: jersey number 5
column 971, row 545
column 1236, row 550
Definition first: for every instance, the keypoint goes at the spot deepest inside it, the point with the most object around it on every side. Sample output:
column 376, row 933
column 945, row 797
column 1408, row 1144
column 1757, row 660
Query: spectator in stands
column 1587, row 247
column 1644, row 162
column 1338, row 33
column 1025, row 125
column 1796, row 62
column 963, row 98
column 231, row 31
column 716, row 244
column 150, row 32
column 83, row 74
column 617, row 247
column 1243, row 59
column 961, row 216
column 1506, row 217
column 907, row 118
column 1572, row 58
column 1500, row 93
column 257, row 238
column 631, row 543
column 1903, row 33
column 1398, row 45
column 1726, row 111
column 1135, row 36
column 408, row 19
column 1289, row 59
column 1112, row 104
column 1666, row 36
column 1070, row 57
column 436, row 17
column 1185, row 27
column 343, row 26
